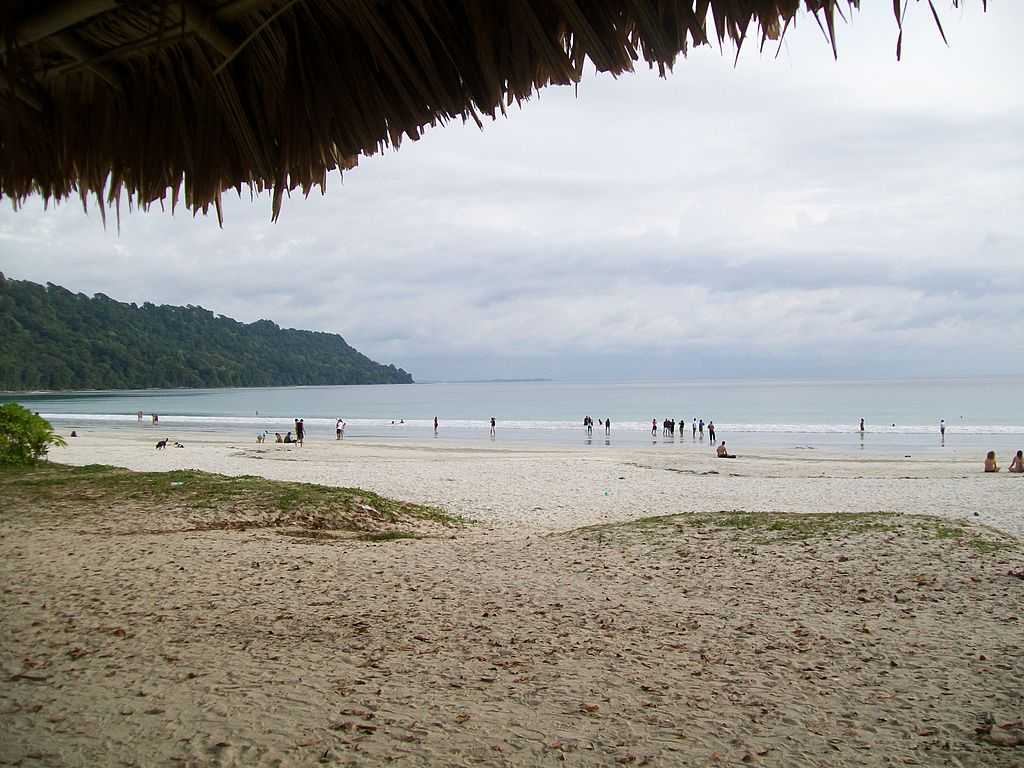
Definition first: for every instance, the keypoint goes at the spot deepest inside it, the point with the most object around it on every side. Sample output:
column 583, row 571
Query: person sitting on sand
column 723, row 453
column 288, row 438
column 278, row 438
column 1016, row 466
column 990, row 462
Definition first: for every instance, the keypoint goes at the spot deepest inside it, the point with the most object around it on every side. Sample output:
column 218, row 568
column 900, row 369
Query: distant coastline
column 483, row 381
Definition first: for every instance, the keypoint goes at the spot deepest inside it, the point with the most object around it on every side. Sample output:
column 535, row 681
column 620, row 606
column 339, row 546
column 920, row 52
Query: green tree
column 24, row 437
column 51, row 338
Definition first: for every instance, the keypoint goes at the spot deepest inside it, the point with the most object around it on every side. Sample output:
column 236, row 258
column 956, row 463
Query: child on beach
column 990, row 462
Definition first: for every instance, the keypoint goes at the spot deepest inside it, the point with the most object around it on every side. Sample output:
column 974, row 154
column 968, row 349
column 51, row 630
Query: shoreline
column 747, row 439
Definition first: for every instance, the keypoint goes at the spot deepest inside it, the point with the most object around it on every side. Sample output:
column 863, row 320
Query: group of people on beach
column 297, row 439
column 588, row 424
column 668, row 427
column 1016, row 465
column 697, row 426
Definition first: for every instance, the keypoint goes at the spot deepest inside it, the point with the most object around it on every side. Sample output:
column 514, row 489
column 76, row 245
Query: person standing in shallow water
column 435, row 426
column 711, row 432
column 607, row 427
column 300, row 431
column 493, row 425
column 942, row 430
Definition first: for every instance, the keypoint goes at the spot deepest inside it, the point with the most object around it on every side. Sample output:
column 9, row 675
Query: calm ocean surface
column 981, row 413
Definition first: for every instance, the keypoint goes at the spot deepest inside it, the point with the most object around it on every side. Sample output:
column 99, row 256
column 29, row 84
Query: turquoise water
column 899, row 415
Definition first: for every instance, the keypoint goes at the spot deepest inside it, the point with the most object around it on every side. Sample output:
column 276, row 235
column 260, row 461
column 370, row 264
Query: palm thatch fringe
column 185, row 99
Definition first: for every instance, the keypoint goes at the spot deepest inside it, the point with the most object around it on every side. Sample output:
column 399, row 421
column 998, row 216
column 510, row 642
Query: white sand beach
column 522, row 640
column 523, row 486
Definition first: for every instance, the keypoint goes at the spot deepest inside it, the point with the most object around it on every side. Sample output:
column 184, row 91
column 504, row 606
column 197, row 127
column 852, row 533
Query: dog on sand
column 162, row 444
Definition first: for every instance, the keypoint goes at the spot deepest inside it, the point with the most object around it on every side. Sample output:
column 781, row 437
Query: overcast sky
column 786, row 216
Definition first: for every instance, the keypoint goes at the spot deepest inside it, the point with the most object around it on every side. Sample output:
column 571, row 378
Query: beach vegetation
column 982, row 539
column 25, row 437
column 778, row 527
column 783, row 525
column 207, row 501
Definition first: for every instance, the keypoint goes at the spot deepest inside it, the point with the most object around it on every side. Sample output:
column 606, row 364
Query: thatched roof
column 153, row 98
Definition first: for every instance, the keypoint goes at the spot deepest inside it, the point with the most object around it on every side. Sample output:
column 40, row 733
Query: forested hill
column 51, row 338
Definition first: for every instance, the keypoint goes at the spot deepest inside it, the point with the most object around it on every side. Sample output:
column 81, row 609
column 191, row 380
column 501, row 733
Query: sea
column 901, row 416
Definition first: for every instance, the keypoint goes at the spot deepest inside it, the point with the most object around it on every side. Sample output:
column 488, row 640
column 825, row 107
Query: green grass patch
column 772, row 527
column 772, row 524
column 982, row 539
column 210, row 497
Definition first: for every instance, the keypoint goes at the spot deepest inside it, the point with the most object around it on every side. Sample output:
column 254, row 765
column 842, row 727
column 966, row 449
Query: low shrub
column 25, row 437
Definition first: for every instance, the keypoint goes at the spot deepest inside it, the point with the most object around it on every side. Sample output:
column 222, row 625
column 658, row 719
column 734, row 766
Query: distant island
column 56, row 339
